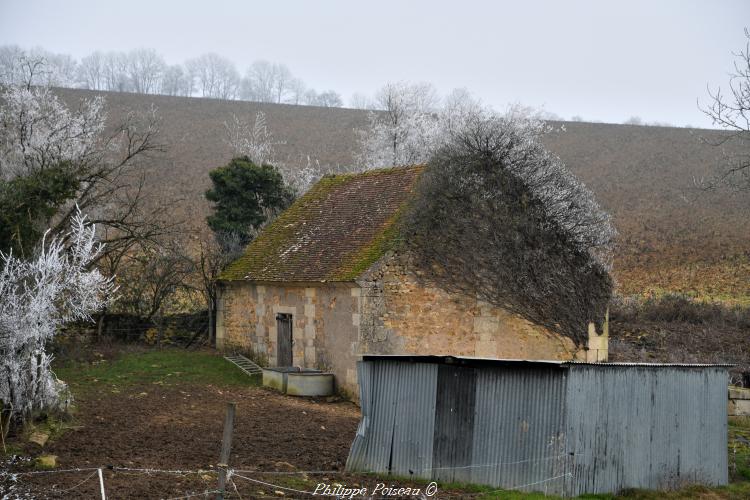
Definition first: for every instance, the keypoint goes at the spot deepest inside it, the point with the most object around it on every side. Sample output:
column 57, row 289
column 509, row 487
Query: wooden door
column 284, row 340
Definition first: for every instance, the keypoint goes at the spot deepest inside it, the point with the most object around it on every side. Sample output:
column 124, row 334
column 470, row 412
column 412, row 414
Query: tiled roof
column 337, row 230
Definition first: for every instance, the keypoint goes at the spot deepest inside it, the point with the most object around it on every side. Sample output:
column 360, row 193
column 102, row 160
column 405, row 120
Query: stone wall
column 388, row 311
column 399, row 315
column 324, row 324
column 739, row 402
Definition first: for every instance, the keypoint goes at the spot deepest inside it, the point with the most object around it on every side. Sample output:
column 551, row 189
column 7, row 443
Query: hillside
column 671, row 236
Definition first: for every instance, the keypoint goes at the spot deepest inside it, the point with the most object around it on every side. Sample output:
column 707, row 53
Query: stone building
column 322, row 285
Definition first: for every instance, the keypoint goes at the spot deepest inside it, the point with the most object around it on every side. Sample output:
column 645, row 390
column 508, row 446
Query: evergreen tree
column 245, row 195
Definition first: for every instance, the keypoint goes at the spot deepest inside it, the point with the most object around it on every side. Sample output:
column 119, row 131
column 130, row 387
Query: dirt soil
column 181, row 428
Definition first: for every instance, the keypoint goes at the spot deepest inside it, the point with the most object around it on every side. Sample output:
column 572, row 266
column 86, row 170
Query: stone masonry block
column 310, row 310
column 309, row 331
column 486, row 325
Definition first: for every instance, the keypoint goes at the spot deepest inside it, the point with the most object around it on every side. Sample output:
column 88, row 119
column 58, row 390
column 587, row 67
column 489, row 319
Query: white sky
column 602, row 60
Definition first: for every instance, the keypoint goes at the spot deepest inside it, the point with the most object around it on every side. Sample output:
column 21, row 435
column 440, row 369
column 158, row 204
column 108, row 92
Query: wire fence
column 244, row 475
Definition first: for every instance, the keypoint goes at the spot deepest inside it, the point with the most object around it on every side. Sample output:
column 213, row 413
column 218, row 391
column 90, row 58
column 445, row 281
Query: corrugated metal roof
column 520, row 362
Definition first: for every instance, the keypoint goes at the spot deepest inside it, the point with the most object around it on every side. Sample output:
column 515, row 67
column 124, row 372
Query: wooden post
column 101, row 484
column 226, row 449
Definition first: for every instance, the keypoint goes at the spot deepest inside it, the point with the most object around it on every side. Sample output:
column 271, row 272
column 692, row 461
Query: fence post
column 101, row 484
column 226, row 449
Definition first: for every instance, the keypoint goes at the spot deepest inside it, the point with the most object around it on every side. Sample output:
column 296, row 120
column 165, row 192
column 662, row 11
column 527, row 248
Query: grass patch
column 166, row 367
column 739, row 448
column 734, row 491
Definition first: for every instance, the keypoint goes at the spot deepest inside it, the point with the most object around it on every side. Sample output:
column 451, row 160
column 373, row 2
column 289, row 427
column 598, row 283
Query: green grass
column 734, row 491
column 166, row 367
column 739, row 447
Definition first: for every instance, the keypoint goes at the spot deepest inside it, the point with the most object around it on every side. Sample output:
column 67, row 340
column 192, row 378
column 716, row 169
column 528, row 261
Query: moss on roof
column 335, row 232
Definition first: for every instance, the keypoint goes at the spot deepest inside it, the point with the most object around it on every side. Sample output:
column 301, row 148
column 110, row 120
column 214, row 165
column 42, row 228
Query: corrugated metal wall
column 398, row 416
column 560, row 428
column 646, row 427
column 519, row 437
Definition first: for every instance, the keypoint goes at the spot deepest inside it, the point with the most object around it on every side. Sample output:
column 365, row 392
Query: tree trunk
column 160, row 330
column 100, row 325
column 211, row 322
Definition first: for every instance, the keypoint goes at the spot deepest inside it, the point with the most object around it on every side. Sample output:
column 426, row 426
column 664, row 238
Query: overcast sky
column 601, row 60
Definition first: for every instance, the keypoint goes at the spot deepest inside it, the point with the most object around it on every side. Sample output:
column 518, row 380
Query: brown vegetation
column 672, row 237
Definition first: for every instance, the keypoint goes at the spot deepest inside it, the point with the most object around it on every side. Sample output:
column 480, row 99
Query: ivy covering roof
column 335, row 232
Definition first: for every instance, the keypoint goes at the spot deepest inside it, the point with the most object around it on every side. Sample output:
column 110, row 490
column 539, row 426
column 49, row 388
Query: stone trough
column 296, row 381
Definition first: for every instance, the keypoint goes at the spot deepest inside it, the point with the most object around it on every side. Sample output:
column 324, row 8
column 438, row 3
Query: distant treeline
column 145, row 71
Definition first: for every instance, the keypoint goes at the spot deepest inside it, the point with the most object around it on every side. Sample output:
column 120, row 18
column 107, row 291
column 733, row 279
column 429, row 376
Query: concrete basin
column 297, row 381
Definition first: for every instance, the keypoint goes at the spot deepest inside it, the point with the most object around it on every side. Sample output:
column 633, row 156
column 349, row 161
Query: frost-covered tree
column 499, row 217
column 39, row 131
column 38, row 296
column 11, row 71
column 36, row 67
column 61, row 70
column 406, row 129
column 303, row 172
column 54, row 157
column 253, row 140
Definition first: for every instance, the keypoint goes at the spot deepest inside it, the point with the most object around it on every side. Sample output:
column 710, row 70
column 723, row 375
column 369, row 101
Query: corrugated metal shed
column 560, row 427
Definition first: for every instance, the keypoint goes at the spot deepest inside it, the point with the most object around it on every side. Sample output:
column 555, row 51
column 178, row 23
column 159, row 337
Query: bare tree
column 259, row 83
column 361, row 101
column 91, row 72
column 152, row 276
column 176, row 81
column 145, row 68
column 144, row 71
column 296, row 91
column 214, row 76
column 216, row 253
column 116, row 72
column 270, row 82
column 730, row 110
column 327, row 99
column 633, row 120
column 282, row 80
